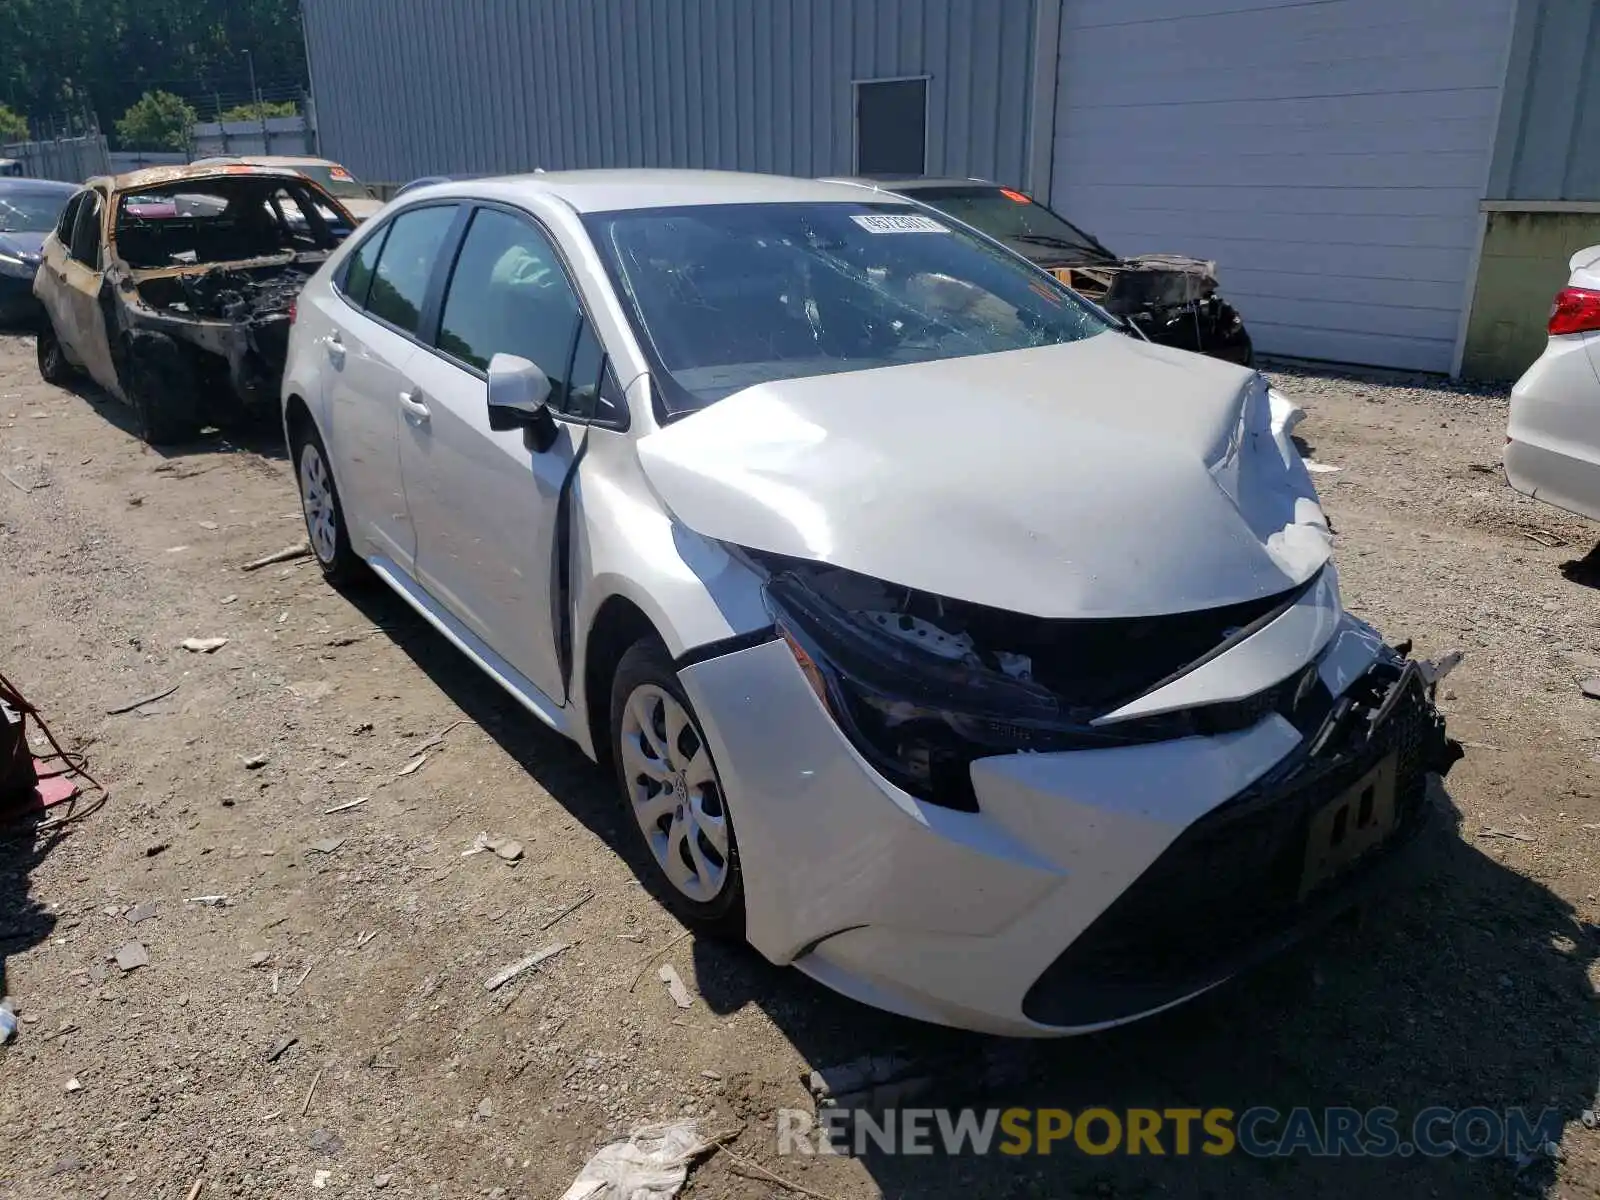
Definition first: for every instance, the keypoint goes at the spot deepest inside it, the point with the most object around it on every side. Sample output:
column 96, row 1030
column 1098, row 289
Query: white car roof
column 614, row 190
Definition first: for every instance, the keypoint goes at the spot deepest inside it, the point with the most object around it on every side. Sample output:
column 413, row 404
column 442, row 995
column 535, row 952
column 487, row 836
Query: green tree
column 64, row 59
column 255, row 112
column 159, row 121
column 13, row 126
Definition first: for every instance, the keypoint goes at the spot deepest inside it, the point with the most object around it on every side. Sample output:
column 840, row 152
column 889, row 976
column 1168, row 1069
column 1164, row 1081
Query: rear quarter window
column 406, row 263
column 357, row 274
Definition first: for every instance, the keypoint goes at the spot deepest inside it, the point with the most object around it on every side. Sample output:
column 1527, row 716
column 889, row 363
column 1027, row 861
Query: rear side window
column 509, row 294
column 405, row 264
column 358, row 274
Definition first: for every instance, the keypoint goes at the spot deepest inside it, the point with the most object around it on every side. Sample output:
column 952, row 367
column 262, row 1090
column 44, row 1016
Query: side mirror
column 519, row 394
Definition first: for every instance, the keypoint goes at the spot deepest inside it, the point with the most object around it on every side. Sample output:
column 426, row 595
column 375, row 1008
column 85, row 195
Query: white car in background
column 1553, row 438
column 981, row 661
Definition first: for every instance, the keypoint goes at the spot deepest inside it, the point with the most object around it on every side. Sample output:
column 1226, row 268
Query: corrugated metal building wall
column 1543, row 199
column 1331, row 156
column 416, row 87
column 1549, row 141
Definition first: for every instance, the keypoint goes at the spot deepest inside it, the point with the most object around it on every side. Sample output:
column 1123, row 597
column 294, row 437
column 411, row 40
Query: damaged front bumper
column 217, row 332
column 1090, row 887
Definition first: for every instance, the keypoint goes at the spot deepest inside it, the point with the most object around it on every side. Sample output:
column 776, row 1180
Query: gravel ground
column 367, row 936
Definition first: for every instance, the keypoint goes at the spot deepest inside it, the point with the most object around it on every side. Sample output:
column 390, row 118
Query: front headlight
column 923, row 686
column 922, row 716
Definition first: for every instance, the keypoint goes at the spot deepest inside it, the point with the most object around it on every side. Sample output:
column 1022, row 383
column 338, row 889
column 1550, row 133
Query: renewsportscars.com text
column 1261, row 1132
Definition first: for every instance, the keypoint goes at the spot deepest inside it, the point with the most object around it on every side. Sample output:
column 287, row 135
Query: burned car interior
column 197, row 294
column 228, row 220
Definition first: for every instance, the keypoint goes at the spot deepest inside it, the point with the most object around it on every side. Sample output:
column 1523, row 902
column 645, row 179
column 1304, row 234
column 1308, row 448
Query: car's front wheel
column 672, row 793
column 319, row 500
column 53, row 365
column 161, row 388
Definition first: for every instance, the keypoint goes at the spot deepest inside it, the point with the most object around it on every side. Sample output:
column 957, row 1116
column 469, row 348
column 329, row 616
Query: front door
column 370, row 349
column 82, row 324
column 50, row 285
column 484, row 503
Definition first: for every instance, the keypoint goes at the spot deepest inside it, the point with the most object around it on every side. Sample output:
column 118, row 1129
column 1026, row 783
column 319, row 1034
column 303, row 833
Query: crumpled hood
column 1100, row 478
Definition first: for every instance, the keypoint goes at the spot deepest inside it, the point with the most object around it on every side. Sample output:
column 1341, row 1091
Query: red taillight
column 293, row 306
column 1576, row 310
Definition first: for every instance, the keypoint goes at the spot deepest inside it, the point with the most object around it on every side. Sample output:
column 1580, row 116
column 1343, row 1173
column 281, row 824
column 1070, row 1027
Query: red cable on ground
column 71, row 764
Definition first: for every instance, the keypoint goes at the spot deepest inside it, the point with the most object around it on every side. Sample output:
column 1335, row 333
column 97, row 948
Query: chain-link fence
column 70, row 159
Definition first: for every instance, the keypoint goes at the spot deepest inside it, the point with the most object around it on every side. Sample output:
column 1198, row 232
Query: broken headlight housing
column 920, row 716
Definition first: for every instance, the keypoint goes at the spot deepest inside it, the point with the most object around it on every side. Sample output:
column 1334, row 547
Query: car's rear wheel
column 672, row 793
column 319, row 501
column 53, row 364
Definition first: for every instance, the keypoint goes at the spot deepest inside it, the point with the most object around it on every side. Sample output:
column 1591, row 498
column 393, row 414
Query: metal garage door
column 1329, row 154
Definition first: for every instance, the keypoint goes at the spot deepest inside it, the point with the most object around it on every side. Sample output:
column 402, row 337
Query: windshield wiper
column 1059, row 243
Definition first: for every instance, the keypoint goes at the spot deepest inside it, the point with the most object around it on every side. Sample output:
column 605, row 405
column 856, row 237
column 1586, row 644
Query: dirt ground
column 368, row 936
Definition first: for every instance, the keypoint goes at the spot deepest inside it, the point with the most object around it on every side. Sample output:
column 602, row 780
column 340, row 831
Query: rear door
column 384, row 290
column 484, row 503
column 84, row 327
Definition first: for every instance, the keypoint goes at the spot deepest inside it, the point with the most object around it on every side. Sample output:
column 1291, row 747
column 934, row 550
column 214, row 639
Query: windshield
column 1014, row 219
column 338, row 182
column 31, row 212
column 725, row 297
column 230, row 218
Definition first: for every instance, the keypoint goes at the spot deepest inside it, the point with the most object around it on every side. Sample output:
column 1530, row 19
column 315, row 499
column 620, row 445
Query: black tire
column 339, row 563
column 646, row 665
column 53, row 365
column 161, row 388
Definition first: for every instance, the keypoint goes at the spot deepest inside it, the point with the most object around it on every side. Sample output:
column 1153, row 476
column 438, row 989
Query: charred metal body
column 187, row 317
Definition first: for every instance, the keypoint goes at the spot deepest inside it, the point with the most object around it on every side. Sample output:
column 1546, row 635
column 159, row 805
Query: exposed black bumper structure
column 1228, row 892
column 1210, row 326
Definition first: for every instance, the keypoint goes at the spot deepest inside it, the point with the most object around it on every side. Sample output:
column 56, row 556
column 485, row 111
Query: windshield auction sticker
column 898, row 223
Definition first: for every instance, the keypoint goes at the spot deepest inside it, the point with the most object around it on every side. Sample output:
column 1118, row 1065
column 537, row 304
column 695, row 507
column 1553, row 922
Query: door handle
column 335, row 349
column 411, row 404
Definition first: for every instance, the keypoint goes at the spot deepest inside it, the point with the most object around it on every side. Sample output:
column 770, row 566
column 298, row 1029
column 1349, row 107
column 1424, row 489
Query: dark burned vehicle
column 1170, row 298
column 173, row 289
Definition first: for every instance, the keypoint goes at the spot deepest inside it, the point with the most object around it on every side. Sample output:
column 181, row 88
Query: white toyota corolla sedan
column 975, row 657
column 1553, row 436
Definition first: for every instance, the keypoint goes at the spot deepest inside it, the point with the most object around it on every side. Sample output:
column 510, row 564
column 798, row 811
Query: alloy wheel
column 673, row 792
column 316, row 497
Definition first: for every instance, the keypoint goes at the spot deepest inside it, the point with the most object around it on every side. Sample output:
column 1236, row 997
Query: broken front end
column 1171, row 299
column 200, row 296
column 1090, row 839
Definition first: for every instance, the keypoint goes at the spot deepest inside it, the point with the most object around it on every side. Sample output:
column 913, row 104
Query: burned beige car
column 173, row 287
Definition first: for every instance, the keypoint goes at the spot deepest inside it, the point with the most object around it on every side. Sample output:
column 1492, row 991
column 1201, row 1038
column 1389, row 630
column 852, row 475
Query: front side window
column 86, row 232
column 400, row 280
column 725, row 297
column 509, row 295
column 69, row 220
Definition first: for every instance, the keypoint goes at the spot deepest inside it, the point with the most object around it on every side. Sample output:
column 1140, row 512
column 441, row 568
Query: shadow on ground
column 24, row 922
column 1584, row 571
column 1468, row 990
column 260, row 435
